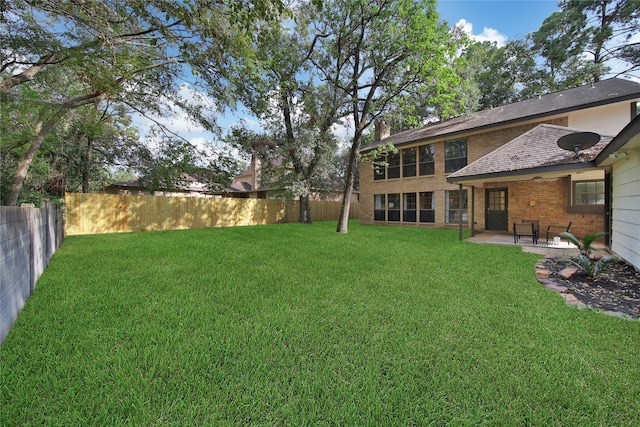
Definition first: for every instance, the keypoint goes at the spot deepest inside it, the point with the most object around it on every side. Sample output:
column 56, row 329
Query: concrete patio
column 542, row 247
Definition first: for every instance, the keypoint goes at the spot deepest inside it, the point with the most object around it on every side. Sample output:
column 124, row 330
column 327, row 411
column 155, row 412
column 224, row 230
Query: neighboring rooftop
column 591, row 95
column 532, row 152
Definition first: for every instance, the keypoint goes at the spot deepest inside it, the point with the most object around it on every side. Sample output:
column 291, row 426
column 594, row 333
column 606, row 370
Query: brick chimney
column 382, row 130
column 257, row 173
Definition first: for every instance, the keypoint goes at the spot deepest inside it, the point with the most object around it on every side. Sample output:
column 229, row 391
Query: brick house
column 433, row 181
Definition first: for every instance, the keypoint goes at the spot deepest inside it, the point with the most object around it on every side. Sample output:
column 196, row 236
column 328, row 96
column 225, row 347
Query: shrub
column 585, row 244
column 590, row 266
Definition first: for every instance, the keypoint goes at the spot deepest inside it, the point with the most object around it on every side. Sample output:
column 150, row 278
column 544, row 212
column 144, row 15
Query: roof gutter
column 521, row 172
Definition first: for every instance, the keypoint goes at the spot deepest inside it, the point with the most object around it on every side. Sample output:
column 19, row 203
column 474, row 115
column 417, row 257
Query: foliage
column 176, row 163
column 591, row 267
column 375, row 54
column 296, row 112
column 580, row 41
column 266, row 326
column 585, row 244
column 71, row 54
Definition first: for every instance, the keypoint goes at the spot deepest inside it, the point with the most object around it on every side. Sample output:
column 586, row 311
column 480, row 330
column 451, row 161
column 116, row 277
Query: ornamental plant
column 586, row 243
column 584, row 261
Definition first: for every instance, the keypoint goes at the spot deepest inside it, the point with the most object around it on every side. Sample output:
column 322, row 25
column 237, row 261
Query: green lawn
column 297, row 325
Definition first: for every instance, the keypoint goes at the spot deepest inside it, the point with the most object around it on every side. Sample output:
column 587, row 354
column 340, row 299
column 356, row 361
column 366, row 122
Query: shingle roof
column 600, row 93
column 531, row 151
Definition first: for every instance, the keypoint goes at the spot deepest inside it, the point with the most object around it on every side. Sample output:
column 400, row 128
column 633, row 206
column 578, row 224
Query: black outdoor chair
column 564, row 228
column 521, row 229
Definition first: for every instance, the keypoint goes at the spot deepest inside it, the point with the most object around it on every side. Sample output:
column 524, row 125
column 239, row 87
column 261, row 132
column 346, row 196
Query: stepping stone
column 543, row 274
column 555, row 287
column 568, row 272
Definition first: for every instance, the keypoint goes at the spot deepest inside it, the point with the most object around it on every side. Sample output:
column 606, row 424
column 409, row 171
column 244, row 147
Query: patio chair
column 564, row 228
column 521, row 229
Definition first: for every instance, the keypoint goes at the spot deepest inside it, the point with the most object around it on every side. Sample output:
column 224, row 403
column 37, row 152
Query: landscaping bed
column 616, row 289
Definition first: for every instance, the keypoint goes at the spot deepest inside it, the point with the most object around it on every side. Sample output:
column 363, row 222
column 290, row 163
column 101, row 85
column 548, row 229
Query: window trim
column 432, row 151
column 396, row 209
column 408, row 213
column 573, row 207
column 466, row 154
column 395, row 166
column 408, row 165
column 464, row 210
column 383, row 198
column 432, row 210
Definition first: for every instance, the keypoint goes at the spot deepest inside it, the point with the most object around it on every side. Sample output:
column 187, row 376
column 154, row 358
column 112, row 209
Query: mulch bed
column 616, row 289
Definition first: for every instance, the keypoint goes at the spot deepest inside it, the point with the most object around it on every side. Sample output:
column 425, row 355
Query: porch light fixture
column 618, row 155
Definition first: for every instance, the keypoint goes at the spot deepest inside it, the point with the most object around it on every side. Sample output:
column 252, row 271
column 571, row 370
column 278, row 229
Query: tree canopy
column 75, row 53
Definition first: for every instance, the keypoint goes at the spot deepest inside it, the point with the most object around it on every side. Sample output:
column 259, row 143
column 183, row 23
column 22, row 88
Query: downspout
column 460, row 222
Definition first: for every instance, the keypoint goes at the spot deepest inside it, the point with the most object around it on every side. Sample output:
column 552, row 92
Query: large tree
column 375, row 53
column 581, row 41
column 74, row 53
column 296, row 110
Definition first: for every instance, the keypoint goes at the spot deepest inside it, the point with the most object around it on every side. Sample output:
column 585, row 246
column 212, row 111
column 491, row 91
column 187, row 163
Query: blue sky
column 498, row 19
column 493, row 20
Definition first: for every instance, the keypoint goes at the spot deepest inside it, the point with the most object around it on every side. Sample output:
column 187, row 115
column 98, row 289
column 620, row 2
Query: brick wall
column 547, row 202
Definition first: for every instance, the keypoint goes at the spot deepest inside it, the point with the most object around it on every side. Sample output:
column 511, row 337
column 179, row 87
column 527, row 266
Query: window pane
column 409, row 207
column 379, row 168
column 426, row 155
column 455, row 155
column 409, row 162
column 393, row 170
column 427, row 207
column 589, row 193
column 456, row 207
column 379, row 206
column 393, row 204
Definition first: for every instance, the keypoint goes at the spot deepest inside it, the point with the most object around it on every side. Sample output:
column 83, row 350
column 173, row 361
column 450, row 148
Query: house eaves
column 629, row 137
column 593, row 95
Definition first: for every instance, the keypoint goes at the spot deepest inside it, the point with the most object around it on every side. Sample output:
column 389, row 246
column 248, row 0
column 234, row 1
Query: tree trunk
column 27, row 159
column 343, row 220
column 42, row 132
column 304, row 216
column 87, row 167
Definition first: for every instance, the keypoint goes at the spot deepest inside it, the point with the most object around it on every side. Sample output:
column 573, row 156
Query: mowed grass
column 297, row 325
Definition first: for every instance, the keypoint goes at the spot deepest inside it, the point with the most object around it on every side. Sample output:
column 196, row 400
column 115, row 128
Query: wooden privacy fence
column 113, row 213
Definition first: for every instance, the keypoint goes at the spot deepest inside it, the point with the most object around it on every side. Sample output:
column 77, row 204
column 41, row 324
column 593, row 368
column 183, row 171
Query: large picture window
column 409, row 207
column 379, row 207
column 427, row 207
column 426, row 154
column 455, row 154
column 409, row 162
column 456, row 207
column 393, row 207
column 393, row 170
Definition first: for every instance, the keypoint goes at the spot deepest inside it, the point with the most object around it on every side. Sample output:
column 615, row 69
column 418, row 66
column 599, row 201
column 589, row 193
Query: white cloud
column 488, row 34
